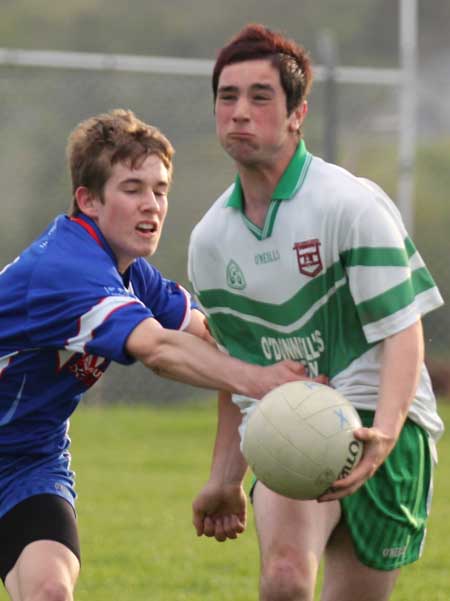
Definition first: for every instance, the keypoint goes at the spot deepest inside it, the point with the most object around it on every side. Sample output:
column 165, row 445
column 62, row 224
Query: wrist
column 230, row 485
column 253, row 382
column 232, row 478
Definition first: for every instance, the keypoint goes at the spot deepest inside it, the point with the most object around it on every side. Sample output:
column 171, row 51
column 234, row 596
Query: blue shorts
column 25, row 476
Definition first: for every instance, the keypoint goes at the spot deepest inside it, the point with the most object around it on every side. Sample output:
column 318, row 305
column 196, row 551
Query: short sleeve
column 389, row 282
column 168, row 301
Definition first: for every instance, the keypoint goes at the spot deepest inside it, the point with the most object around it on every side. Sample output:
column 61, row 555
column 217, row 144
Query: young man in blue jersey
column 301, row 259
column 80, row 296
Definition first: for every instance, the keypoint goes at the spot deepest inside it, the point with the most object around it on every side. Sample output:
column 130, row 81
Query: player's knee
column 51, row 590
column 284, row 578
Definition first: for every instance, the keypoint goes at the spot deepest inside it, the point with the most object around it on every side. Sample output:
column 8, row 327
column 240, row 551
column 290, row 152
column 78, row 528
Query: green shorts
column 387, row 516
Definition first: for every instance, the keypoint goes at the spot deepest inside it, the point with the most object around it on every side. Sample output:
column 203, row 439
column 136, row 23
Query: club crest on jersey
column 235, row 277
column 308, row 257
column 87, row 368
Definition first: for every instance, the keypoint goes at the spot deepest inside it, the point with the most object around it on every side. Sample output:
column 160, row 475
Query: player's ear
column 298, row 116
column 86, row 201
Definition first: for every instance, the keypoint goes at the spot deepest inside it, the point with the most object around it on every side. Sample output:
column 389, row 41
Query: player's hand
column 282, row 372
column 220, row 511
column 377, row 447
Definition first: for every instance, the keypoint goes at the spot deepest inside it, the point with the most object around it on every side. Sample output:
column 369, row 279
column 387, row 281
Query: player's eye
column 227, row 97
column 261, row 97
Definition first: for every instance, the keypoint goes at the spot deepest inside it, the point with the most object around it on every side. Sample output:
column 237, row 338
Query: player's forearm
column 402, row 361
column 228, row 464
column 187, row 358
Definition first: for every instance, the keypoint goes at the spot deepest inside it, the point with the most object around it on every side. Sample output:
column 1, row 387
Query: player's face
column 251, row 115
column 134, row 208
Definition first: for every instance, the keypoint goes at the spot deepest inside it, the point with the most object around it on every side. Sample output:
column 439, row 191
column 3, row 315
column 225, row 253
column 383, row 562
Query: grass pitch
column 138, row 470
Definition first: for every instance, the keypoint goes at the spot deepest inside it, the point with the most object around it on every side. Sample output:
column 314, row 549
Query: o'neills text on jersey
column 267, row 257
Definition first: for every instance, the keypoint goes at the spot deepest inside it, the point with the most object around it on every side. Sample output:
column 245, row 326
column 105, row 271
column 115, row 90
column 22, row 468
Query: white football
column 299, row 439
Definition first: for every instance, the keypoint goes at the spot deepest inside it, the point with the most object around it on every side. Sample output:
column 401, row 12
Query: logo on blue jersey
column 87, row 368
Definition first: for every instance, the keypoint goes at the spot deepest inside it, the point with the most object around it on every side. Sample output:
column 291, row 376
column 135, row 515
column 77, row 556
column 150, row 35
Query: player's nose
column 149, row 201
column 241, row 109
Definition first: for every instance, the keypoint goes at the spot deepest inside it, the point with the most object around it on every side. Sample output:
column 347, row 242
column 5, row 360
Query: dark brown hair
column 289, row 58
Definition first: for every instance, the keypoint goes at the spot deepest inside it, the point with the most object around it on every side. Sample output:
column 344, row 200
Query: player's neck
column 257, row 189
column 258, row 185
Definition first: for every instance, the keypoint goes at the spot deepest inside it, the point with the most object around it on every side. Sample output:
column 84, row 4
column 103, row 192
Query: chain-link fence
column 40, row 106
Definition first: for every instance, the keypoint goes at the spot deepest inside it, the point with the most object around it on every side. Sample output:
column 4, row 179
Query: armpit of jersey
column 168, row 301
column 177, row 312
column 94, row 318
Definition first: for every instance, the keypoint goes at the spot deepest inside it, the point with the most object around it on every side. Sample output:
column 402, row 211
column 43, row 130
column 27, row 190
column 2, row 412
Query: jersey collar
column 94, row 232
column 289, row 184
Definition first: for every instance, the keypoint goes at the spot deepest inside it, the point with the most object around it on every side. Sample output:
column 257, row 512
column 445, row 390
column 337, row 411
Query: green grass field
column 137, row 471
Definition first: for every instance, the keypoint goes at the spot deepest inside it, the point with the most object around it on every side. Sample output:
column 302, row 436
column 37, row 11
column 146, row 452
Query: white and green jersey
column 330, row 275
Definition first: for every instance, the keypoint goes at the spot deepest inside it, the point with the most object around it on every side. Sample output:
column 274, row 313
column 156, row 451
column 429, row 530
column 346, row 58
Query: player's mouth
column 240, row 135
column 240, row 139
column 147, row 228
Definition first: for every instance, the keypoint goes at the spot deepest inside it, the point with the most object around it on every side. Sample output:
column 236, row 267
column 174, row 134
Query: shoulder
column 338, row 192
column 334, row 182
column 144, row 276
column 67, row 257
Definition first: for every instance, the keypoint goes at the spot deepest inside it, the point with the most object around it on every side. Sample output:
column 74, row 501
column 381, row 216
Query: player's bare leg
column 45, row 571
column 292, row 538
column 347, row 579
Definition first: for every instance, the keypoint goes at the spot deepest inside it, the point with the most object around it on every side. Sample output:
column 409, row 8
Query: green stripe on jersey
column 410, row 248
column 375, row 257
column 379, row 256
column 285, row 313
column 317, row 289
column 265, row 343
column 396, row 298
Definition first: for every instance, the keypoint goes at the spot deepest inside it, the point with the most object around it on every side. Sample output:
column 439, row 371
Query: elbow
column 153, row 354
column 155, row 358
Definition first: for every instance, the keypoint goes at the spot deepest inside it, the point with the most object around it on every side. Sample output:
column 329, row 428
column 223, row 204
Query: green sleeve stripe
column 396, row 298
column 379, row 256
column 375, row 257
column 284, row 313
column 422, row 280
column 410, row 248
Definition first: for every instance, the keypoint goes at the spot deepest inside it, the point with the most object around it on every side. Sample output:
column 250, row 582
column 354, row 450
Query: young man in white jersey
column 301, row 259
column 80, row 296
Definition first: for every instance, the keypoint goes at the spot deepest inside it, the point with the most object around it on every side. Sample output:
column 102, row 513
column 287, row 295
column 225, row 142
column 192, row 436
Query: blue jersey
column 65, row 314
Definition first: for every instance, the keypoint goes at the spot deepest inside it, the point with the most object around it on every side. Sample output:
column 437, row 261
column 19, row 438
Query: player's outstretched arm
column 187, row 358
column 220, row 509
column 403, row 355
